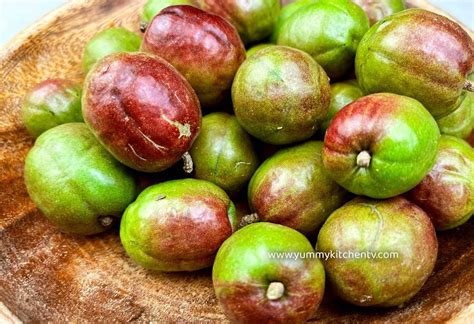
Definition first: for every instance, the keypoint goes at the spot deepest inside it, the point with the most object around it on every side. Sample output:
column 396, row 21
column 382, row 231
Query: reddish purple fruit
column 142, row 110
column 204, row 47
column 447, row 192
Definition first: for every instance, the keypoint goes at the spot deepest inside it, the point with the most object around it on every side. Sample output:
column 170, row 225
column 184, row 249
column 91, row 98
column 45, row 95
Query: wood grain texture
column 49, row 276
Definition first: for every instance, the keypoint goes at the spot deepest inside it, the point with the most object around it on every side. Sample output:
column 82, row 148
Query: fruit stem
column 143, row 26
column 188, row 165
column 363, row 159
column 248, row 219
column 468, row 86
column 106, row 221
column 275, row 290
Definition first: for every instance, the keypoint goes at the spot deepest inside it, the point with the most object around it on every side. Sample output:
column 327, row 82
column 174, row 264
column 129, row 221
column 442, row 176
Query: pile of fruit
column 371, row 166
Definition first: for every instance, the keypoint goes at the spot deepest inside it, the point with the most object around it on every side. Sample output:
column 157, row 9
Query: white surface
column 16, row 15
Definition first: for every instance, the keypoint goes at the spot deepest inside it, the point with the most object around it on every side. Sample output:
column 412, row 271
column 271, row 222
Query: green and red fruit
column 253, row 20
column 342, row 94
column 256, row 282
column 379, row 9
column 223, row 153
column 177, row 225
column 387, row 250
column 153, row 7
column 381, row 145
column 281, row 95
column 447, row 192
column 292, row 188
column 142, row 110
column 51, row 103
column 460, row 122
column 205, row 48
column 419, row 54
column 107, row 42
column 256, row 48
column 328, row 30
column 75, row 182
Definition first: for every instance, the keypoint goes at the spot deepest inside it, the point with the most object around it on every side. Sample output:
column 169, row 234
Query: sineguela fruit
column 142, row 110
column 381, row 145
column 397, row 245
column 378, row 9
column 447, row 192
column 254, row 20
column 256, row 48
column 328, row 30
column 460, row 122
column 419, row 54
column 280, row 95
column 255, row 285
column 51, row 103
column 223, row 153
column 205, row 48
column 109, row 41
column 75, row 182
column 177, row 225
column 342, row 94
column 293, row 189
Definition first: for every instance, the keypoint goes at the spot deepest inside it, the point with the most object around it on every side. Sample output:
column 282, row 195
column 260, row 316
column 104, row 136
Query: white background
column 16, row 15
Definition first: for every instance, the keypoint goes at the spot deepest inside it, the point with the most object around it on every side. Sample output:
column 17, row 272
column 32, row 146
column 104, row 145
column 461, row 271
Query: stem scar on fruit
column 275, row 290
column 363, row 159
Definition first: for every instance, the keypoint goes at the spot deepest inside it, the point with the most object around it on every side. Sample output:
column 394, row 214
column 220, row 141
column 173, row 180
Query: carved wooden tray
column 49, row 276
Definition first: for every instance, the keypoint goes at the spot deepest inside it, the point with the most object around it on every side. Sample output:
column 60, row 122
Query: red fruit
column 142, row 110
column 204, row 47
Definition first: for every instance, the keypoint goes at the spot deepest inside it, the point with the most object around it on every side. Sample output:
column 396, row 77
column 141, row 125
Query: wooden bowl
column 49, row 276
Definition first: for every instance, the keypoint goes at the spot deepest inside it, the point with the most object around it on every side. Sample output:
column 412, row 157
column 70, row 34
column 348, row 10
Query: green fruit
column 460, row 122
column 280, row 95
column 447, row 192
column 254, row 20
column 293, row 189
column 109, row 41
column 342, row 94
column 254, row 285
column 328, row 30
column 223, row 153
column 153, row 7
column 285, row 13
column 374, row 229
column 177, row 225
column 419, row 54
column 51, row 103
column 381, row 145
column 378, row 9
column 257, row 48
column 75, row 182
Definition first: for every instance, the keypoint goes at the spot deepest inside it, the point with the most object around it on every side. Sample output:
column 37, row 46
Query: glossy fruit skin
column 254, row 20
column 398, row 132
column 51, row 103
column 328, row 30
column 398, row 55
column 223, row 153
column 280, row 95
column 379, row 9
column 286, row 11
column 256, row 48
column 292, row 188
column 447, row 192
column 177, row 225
column 378, row 226
column 74, row 181
column 203, row 47
column 153, row 7
column 460, row 122
column 142, row 110
column 342, row 94
column 243, row 269
column 107, row 42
